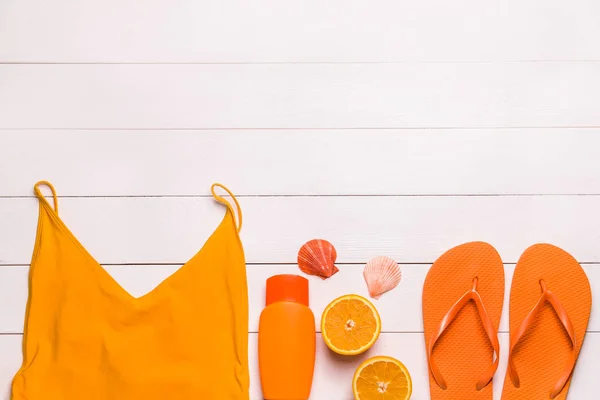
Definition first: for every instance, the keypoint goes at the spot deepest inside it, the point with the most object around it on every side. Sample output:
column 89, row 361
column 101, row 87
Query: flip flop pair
column 463, row 295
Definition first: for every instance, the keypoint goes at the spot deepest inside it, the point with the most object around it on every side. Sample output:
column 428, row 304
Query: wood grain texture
column 400, row 309
column 148, row 230
column 242, row 96
column 387, row 127
column 303, row 162
column 333, row 374
column 308, row 31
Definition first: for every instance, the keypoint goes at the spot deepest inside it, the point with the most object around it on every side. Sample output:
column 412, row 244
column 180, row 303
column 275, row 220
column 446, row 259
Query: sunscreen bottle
column 286, row 340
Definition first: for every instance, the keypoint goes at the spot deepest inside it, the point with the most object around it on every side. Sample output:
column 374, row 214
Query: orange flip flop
column 550, row 305
column 462, row 304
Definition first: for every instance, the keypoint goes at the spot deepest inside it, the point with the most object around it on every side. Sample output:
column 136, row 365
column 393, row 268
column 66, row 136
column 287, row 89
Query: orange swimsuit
column 87, row 338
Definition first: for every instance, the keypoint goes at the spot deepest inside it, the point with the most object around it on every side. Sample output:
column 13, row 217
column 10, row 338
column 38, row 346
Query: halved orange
column 382, row 378
column 350, row 324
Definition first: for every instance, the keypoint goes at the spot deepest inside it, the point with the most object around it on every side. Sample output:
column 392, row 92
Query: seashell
column 382, row 274
column 317, row 257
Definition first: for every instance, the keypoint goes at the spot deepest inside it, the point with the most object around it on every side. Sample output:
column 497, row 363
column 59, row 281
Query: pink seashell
column 317, row 257
column 382, row 274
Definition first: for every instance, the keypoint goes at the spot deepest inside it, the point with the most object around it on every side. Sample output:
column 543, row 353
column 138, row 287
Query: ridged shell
column 317, row 257
column 382, row 274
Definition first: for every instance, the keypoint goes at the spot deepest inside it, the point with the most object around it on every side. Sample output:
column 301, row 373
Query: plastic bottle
column 286, row 340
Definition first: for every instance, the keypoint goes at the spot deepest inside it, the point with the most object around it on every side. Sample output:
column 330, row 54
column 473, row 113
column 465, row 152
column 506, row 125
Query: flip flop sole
column 463, row 352
column 541, row 354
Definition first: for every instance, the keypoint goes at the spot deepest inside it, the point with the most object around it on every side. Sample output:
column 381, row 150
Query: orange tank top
column 87, row 338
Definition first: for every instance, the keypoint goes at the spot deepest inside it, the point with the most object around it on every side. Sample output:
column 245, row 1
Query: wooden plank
column 304, row 162
column 242, row 96
column 333, row 374
column 410, row 229
column 309, row 31
column 400, row 309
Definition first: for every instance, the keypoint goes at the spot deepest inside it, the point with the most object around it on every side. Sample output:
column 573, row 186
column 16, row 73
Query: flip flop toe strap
column 471, row 295
column 547, row 296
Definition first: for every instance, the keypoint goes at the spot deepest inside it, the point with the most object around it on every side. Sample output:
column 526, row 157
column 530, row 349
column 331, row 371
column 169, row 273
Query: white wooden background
column 388, row 127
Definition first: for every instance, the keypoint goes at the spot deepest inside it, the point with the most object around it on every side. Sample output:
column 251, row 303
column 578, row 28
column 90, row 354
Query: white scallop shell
column 382, row 274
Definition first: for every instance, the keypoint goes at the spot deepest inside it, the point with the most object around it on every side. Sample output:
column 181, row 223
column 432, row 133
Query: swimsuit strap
column 42, row 198
column 222, row 200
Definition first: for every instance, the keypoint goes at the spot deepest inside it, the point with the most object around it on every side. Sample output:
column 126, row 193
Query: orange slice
column 350, row 325
column 382, row 378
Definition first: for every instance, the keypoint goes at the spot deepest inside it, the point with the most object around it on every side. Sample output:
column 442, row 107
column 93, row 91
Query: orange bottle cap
column 287, row 287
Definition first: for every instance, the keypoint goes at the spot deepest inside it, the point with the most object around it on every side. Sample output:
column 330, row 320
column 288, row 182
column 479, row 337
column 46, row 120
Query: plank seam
column 359, row 128
column 358, row 62
column 202, row 196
